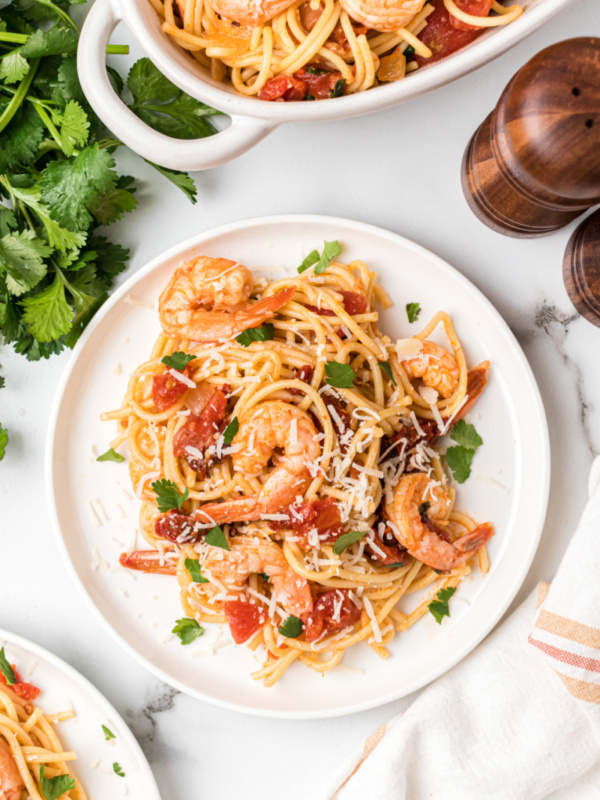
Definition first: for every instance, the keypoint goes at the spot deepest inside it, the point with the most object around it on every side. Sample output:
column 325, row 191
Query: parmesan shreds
column 135, row 301
column 179, row 376
column 374, row 624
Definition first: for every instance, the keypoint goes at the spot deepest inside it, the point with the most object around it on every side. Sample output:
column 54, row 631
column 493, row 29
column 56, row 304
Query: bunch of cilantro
column 58, row 182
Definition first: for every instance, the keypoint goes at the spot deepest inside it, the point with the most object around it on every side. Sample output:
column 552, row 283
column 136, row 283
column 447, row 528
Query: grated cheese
column 371, row 614
column 179, row 376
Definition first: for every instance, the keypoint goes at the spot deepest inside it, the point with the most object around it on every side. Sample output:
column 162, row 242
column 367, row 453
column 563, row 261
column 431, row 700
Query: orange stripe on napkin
column 568, row 629
column 370, row 744
column 580, row 689
column 543, row 589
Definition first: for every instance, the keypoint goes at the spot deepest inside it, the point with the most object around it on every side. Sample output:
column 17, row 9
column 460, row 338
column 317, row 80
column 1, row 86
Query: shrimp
column 436, row 366
column 383, row 15
column 255, row 12
column 11, row 783
column 248, row 555
column 414, row 524
column 262, row 430
column 206, row 300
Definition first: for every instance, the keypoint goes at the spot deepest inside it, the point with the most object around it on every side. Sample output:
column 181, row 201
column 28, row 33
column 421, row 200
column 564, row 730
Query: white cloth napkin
column 518, row 719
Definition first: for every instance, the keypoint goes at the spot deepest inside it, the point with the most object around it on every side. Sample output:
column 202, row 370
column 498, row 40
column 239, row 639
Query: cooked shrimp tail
column 11, row 783
column 384, row 15
column 148, row 561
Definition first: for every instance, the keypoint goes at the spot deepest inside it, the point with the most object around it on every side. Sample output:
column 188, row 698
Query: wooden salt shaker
column 534, row 164
column 581, row 268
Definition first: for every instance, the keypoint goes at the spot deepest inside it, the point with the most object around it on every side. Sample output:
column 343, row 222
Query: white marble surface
column 398, row 169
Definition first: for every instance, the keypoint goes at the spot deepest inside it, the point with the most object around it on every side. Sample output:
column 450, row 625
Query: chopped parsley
column 291, row 628
column 118, row 770
column 264, row 576
column 439, row 608
column 387, row 370
column 316, row 71
column 3, row 441
column 167, row 495
column 53, row 788
column 338, row 89
column 459, row 458
column 263, row 334
column 409, row 52
column 323, row 260
column 193, row 567
column 177, row 360
column 346, row 540
column 217, row 538
column 187, row 630
column 7, row 670
column 340, row 375
column 397, row 564
column 108, row 734
column 424, row 508
column 111, row 455
column 412, row 311
column 230, row 431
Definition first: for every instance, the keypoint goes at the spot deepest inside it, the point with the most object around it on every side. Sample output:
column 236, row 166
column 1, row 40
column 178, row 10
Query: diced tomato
column 333, row 611
column 384, row 546
column 324, row 515
column 284, row 87
column 148, row 561
column 199, row 433
column 27, row 691
column 166, row 390
column 355, row 303
column 320, row 82
column 244, row 619
column 177, row 527
column 477, row 8
column 304, row 374
column 442, row 37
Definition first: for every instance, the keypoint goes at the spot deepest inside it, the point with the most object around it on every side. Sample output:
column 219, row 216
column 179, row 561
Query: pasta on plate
column 286, row 455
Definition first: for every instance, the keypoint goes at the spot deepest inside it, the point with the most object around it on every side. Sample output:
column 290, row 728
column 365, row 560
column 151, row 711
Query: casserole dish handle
column 187, row 155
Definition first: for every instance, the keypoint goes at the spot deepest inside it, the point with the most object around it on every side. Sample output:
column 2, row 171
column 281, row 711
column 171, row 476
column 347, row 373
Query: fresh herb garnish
column 387, row 370
column 338, row 89
column 409, row 52
column 265, row 333
column 459, row 458
column 167, row 495
column 193, row 567
column 291, row 628
column 3, row 441
column 53, row 788
column 322, row 261
column 340, row 375
column 316, row 71
column 178, row 360
column 111, row 455
column 264, row 576
column 309, row 97
column 118, row 770
column 230, row 431
column 7, row 670
column 187, row 630
column 217, row 538
column 439, row 608
column 412, row 311
column 346, row 540
column 424, row 508
column 108, row 734
column 397, row 564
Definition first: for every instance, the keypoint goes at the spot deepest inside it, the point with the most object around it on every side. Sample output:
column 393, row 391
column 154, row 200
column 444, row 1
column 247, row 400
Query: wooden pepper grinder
column 534, row 164
column 581, row 268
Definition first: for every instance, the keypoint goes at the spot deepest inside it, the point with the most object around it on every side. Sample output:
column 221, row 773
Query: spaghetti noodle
column 301, row 436
column 30, row 751
column 316, row 49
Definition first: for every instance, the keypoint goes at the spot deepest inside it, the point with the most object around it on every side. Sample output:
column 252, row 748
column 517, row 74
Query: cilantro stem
column 19, row 95
column 117, row 50
column 17, row 38
column 58, row 11
column 49, row 124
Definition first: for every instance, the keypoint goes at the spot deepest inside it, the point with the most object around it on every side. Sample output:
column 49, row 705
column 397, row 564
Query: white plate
column 509, row 485
column 60, row 686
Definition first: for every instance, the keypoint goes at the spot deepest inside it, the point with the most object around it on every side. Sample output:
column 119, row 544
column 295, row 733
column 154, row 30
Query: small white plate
column 62, row 686
column 509, row 485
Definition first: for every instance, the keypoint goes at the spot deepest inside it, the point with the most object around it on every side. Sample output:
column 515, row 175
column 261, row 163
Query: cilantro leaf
column 74, row 130
column 108, row 734
column 459, row 460
column 424, row 508
column 180, row 179
column 264, row 576
column 19, row 143
column 111, row 455
column 58, row 40
column 397, row 564
column 346, row 540
column 118, row 770
column 47, row 313
column 466, row 436
column 112, row 206
column 330, row 251
column 193, row 567
column 217, row 538
column 412, row 311
column 338, row 89
column 177, row 360
column 167, row 495
column 291, row 628
column 21, row 255
column 7, row 221
column 439, row 608
column 387, row 370
column 6, row 669
column 53, row 788
column 187, row 630
column 340, row 375
column 263, row 334
column 312, row 258
column 60, row 238
column 13, row 67
column 230, row 431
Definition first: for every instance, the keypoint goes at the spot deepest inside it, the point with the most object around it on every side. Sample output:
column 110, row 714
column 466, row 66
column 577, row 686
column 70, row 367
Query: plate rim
column 45, row 656
column 300, row 219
